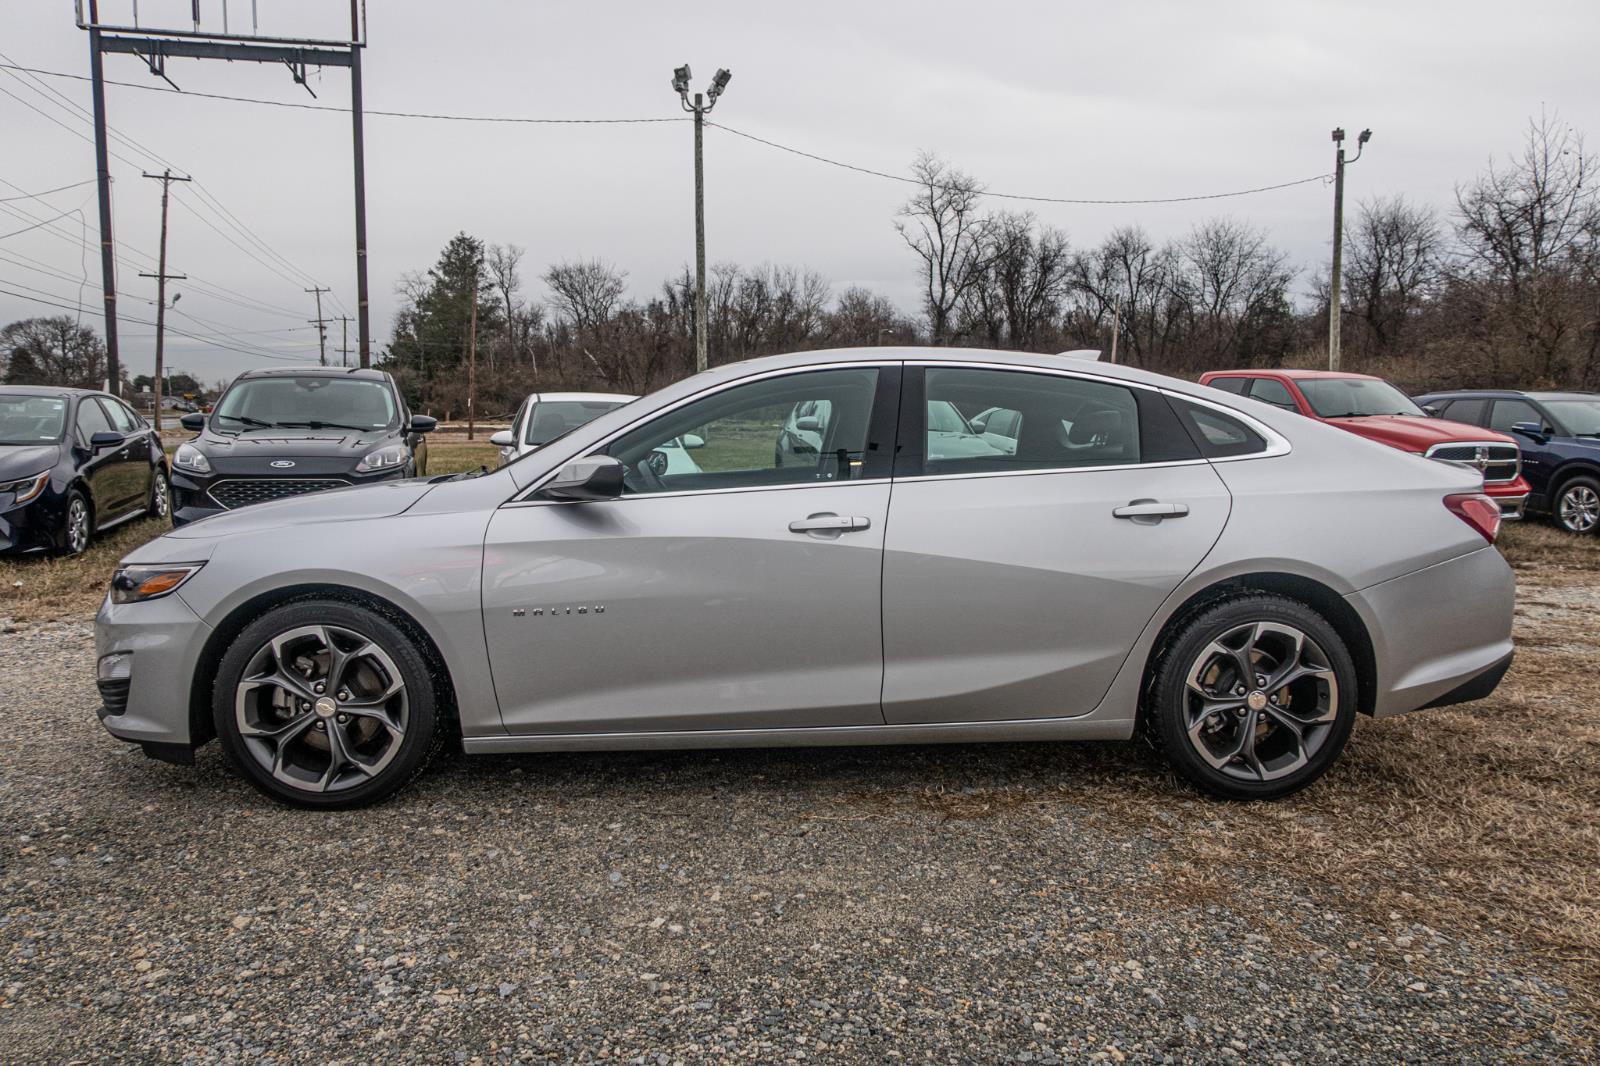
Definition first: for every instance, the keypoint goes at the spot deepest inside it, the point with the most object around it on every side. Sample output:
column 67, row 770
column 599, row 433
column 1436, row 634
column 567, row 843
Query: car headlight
column 134, row 584
column 189, row 457
column 386, row 458
column 26, row 488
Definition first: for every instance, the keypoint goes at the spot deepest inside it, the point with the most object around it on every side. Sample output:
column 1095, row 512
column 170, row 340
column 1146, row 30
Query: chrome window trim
column 1276, row 443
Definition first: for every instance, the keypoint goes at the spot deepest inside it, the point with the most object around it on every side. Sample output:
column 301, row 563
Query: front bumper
column 1512, row 496
column 34, row 526
column 193, row 499
column 1440, row 633
column 164, row 638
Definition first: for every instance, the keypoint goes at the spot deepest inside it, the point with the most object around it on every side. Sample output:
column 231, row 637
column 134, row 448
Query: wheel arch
column 1566, row 472
column 201, row 726
column 1314, row 594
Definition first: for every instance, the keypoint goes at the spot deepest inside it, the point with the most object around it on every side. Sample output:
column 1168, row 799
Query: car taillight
column 1476, row 510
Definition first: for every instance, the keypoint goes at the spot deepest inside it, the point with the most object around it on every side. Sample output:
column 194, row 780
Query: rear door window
column 1236, row 386
column 1468, row 411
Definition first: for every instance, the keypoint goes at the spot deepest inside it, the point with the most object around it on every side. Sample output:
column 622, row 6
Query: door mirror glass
column 503, row 439
column 1430, row 410
column 423, row 424
column 105, row 439
column 693, row 440
column 194, row 422
column 594, row 477
column 810, row 424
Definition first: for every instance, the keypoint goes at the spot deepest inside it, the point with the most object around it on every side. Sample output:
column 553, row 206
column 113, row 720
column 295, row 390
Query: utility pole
column 700, row 106
column 166, row 179
column 344, row 340
column 1335, row 297
column 472, row 360
column 1116, row 327
column 358, row 138
column 321, row 324
column 102, row 168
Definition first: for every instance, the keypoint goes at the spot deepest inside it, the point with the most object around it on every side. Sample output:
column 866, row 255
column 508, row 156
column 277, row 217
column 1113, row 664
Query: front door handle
column 1150, row 509
column 828, row 522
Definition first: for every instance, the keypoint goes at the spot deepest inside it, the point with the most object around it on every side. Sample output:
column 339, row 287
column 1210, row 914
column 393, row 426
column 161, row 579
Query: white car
column 544, row 416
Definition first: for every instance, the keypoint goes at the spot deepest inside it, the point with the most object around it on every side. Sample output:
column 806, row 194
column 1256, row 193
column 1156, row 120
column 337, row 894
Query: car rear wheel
column 1578, row 505
column 1253, row 698
column 326, row 704
column 160, row 495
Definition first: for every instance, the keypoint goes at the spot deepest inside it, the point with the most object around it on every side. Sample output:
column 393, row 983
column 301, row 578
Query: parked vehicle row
column 872, row 545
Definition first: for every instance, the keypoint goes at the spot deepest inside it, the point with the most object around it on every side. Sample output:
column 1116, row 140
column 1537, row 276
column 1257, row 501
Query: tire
column 1577, row 505
column 160, row 495
column 78, row 526
column 1255, row 740
column 282, row 735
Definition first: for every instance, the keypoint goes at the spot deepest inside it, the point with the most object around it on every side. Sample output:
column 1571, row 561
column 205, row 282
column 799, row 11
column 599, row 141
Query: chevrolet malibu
column 1144, row 555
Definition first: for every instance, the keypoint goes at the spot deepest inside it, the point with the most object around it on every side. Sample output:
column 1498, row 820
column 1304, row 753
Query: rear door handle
column 1150, row 509
column 828, row 522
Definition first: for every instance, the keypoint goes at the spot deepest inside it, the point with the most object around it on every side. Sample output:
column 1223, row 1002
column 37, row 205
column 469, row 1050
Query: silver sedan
column 1129, row 554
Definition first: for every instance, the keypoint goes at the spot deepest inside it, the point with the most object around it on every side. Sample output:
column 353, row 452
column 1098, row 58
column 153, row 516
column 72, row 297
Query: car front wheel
column 1253, row 698
column 326, row 704
column 79, row 524
column 1578, row 505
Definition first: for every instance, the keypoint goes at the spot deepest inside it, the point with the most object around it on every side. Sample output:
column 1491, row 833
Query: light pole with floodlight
column 699, row 106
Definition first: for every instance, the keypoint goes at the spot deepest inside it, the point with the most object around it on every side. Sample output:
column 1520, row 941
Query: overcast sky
column 1052, row 98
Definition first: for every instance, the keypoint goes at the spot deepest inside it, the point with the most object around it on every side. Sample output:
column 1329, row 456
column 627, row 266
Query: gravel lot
column 1000, row 903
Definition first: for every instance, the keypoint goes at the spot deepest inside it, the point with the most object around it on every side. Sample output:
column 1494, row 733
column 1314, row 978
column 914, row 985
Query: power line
column 715, row 125
column 47, row 192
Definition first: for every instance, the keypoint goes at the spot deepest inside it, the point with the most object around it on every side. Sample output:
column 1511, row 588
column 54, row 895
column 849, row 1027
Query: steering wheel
column 645, row 475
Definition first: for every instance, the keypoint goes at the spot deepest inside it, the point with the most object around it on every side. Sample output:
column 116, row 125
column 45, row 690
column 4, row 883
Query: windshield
column 1356, row 398
column 552, row 418
column 944, row 418
column 31, row 419
column 309, row 402
column 1580, row 417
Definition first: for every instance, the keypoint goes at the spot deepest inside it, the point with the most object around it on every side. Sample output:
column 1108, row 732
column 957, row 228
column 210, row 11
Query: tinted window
column 752, row 435
column 309, row 401
column 91, row 419
column 1218, row 436
column 1469, row 411
column 1508, row 412
column 1578, row 415
column 1059, row 422
column 551, row 418
column 1274, row 392
column 31, row 419
column 1233, row 385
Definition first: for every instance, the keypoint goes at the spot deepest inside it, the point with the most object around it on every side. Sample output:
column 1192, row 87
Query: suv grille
column 1497, row 461
column 245, row 491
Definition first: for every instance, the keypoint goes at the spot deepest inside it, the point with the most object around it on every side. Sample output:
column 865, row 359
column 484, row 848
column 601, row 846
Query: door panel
column 1019, row 596
column 700, row 611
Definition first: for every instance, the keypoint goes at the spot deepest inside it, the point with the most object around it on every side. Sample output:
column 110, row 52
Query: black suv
column 72, row 463
column 279, row 433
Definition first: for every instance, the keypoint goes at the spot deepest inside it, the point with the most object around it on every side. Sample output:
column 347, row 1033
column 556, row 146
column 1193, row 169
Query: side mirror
column 808, row 424
column 1527, row 429
column 423, row 424
column 105, row 439
column 692, row 440
column 594, row 477
column 503, row 439
column 1430, row 410
column 194, row 422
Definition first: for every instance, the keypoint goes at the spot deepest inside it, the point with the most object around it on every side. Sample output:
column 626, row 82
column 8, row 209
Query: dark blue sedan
column 1560, row 437
column 74, row 463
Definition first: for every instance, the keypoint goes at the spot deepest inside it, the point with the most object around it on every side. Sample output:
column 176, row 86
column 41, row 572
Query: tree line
column 1501, row 288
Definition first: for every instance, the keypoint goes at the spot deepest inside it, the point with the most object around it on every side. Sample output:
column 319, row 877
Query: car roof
column 357, row 372
column 50, row 390
column 1292, row 373
column 547, row 397
column 1564, row 395
column 1455, row 393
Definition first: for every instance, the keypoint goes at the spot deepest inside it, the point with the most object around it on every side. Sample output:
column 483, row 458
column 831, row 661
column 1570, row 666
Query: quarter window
column 797, row 429
column 1028, row 422
column 1218, row 436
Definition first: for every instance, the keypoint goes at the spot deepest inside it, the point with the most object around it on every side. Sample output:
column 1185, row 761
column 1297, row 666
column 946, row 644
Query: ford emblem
column 282, row 464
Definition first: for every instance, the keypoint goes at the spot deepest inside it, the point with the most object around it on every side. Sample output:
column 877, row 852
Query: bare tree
column 1017, row 297
column 504, row 261
column 1230, row 280
column 52, row 351
column 587, row 292
column 1393, row 263
column 941, row 224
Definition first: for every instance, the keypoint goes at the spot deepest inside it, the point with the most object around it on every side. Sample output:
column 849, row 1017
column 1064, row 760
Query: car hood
column 20, row 460
column 320, row 451
column 1413, row 434
column 382, row 500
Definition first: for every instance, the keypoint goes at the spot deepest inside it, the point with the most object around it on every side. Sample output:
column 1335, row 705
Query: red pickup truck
column 1373, row 408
